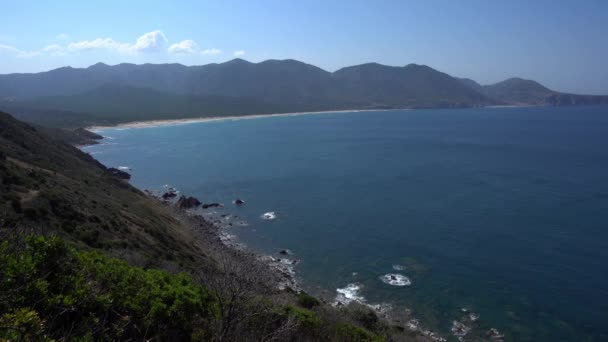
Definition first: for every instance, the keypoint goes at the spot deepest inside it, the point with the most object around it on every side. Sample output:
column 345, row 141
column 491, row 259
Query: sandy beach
column 169, row 122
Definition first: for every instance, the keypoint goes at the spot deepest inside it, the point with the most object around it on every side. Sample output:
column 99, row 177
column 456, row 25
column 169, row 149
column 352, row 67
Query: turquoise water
column 500, row 210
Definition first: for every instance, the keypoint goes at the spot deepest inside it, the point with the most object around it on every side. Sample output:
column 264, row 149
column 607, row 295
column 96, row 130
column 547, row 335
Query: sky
column 561, row 44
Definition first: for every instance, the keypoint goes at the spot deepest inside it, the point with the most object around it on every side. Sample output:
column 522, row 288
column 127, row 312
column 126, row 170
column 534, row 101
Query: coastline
column 212, row 227
column 185, row 121
column 273, row 272
column 171, row 122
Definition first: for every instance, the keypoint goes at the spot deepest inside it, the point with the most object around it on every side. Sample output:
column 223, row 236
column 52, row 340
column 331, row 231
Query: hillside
column 115, row 103
column 518, row 91
column 54, row 187
column 409, row 86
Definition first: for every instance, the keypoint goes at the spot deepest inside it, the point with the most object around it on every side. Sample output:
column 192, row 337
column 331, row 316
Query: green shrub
column 352, row 333
column 51, row 286
column 306, row 317
column 364, row 316
column 307, row 301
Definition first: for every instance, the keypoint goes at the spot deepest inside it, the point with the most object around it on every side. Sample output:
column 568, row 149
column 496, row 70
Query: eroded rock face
column 188, row 202
column 119, row 173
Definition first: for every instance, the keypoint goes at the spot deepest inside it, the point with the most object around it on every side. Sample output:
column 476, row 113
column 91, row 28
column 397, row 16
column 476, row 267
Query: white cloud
column 185, row 46
column 7, row 49
column 151, row 41
column 99, row 43
column 54, row 50
column 148, row 42
column 211, row 52
column 238, row 53
column 190, row 47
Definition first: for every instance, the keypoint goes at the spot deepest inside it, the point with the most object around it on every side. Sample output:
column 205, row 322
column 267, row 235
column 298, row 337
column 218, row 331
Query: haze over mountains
column 103, row 94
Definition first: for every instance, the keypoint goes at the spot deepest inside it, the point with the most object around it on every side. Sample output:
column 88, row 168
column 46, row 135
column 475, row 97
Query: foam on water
column 271, row 215
column 399, row 267
column 349, row 294
column 396, row 279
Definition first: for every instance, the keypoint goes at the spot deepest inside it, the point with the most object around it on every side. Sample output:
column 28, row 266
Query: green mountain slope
column 54, row 187
column 409, row 86
column 114, row 103
column 518, row 91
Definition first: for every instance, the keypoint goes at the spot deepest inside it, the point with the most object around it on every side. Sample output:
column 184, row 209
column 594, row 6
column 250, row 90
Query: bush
column 306, row 317
column 352, row 333
column 87, row 295
column 307, row 301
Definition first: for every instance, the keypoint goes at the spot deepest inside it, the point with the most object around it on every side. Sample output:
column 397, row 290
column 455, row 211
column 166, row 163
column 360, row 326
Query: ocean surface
column 503, row 211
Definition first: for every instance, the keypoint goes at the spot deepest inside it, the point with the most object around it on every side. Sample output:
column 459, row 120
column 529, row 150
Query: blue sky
column 562, row 44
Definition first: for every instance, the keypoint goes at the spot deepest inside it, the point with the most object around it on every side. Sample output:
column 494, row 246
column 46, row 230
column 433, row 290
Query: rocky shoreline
column 212, row 228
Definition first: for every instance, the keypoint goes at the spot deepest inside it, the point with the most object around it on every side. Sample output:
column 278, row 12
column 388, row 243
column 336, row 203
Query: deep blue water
column 501, row 210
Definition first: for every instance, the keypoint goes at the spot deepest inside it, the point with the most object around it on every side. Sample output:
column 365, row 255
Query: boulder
column 188, row 202
column 239, row 201
column 169, row 194
column 119, row 173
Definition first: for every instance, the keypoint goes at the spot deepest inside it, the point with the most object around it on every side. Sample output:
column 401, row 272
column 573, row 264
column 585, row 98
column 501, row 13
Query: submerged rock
column 211, row 205
column 188, row 202
column 239, row 201
column 285, row 252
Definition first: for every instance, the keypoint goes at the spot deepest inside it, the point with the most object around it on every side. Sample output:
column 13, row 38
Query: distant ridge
column 127, row 92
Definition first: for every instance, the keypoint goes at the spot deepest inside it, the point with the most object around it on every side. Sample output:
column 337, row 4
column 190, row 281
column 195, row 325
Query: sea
column 498, row 212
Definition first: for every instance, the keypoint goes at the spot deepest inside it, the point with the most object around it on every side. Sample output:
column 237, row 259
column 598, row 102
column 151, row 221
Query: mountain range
column 104, row 94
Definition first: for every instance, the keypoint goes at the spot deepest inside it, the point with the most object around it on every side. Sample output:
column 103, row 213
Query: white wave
column 349, row 294
column 396, row 279
column 124, row 168
column 399, row 267
column 271, row 215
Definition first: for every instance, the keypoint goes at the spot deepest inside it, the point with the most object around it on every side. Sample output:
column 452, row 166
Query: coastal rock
column 239, row 201
column 188, row 202
column 459, row 329
column 285, row 252
column 211, row 205
column 119, row 173
column 495, row 335
column 169, row 194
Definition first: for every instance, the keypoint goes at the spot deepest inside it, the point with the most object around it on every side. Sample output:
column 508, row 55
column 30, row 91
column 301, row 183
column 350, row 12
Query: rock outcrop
column 188, row 202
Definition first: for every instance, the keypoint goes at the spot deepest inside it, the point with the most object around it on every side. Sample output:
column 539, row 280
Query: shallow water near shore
column 500, row 210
